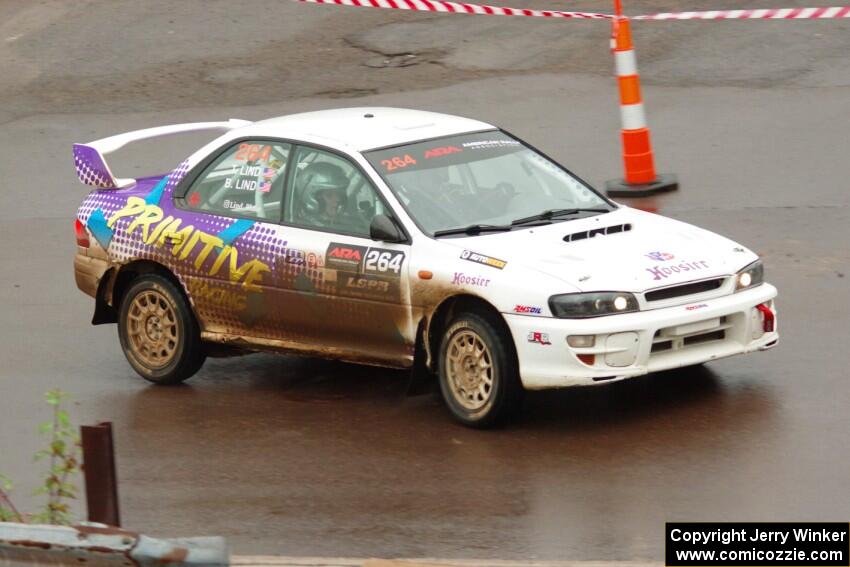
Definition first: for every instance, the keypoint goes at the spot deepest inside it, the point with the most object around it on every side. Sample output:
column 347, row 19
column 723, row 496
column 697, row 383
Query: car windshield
column 482, row 183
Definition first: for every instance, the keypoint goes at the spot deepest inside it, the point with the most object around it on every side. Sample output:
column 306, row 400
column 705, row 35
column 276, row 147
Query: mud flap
column 103, row 312
column 422, row 380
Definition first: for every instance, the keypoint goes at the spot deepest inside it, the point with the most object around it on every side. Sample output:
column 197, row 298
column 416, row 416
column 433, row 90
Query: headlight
column 581, row 305
column 750, row 276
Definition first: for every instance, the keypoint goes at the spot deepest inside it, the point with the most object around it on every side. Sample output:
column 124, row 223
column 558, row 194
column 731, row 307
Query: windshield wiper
column 554, row 213
column 474, row 229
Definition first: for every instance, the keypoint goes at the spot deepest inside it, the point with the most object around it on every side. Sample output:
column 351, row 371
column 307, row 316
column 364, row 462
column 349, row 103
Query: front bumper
column 634, row 344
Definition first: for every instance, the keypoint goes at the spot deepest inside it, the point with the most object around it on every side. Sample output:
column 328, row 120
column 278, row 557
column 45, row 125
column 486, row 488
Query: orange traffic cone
column 640, row 179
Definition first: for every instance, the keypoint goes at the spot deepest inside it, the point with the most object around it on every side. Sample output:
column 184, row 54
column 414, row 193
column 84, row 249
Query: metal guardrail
column 97, row 545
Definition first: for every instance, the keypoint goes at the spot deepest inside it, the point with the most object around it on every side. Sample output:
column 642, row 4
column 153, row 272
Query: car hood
column 625, row 250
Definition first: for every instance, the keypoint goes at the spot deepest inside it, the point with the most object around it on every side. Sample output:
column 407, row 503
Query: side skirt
column 371, row 358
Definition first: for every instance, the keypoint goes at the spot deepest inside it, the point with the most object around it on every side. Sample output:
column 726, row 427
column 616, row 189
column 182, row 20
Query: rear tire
column 158, row 332
column 479, row 377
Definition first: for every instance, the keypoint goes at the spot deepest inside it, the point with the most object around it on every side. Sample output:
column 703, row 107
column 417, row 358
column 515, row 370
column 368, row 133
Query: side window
column 330, row 193
column 246, row 180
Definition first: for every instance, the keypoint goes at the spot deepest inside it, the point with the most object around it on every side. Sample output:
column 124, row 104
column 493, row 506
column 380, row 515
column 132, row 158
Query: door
column 353, row 292
column 228, row 258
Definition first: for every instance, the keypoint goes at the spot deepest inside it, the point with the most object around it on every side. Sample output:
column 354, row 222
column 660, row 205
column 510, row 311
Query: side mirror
column 384, row 229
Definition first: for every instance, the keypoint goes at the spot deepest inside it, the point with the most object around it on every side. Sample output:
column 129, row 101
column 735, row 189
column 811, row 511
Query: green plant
column 62, row 454
column 8, row 512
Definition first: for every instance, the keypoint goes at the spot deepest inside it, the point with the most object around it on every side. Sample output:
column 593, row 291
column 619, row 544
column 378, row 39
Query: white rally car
column 405, row 239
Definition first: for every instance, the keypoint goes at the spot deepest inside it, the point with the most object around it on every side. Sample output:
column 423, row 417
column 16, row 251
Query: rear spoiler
column 90, row 162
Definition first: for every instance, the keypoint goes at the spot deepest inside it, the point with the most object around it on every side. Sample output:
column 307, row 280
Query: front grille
column 685, row 289
column 666, row 340
column 706, row 338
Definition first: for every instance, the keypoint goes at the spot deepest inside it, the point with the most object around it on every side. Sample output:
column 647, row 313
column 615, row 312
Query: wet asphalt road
column 306, row 457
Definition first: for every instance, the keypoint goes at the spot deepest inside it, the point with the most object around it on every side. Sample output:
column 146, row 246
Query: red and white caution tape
column 448, row 7
column 761, row 14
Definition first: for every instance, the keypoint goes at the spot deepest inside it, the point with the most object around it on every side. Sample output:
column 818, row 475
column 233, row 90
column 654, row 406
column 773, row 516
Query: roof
column 366, row 128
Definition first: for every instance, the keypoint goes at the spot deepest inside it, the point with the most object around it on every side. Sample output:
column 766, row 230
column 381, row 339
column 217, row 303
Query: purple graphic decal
column 154, row 196
column 91, row 169
column 177, row 175
column 97, row 225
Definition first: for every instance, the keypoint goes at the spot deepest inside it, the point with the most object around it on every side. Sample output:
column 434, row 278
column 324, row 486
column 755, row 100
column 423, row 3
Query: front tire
column 479, row 378
column 158, row 332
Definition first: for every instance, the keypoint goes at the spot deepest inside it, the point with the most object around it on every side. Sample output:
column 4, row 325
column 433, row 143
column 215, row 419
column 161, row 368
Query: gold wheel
column 152, row 329
column 469, row 368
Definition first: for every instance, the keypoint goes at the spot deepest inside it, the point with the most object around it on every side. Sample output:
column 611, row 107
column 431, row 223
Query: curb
column 281, row 561
column 104, row 546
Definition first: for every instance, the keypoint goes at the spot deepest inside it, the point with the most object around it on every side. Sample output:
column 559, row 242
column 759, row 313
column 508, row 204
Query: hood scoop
column 584, row 234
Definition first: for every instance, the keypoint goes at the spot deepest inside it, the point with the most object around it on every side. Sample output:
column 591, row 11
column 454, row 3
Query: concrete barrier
column 279, row 561
column 96, row 545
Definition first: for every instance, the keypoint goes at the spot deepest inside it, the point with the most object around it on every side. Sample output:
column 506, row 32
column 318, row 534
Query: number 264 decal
column 379, row 261
column 251, row 152
column 398, row 162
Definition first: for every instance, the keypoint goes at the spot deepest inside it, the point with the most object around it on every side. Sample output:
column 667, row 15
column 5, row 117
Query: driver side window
column 246, row 180
column 330, row 193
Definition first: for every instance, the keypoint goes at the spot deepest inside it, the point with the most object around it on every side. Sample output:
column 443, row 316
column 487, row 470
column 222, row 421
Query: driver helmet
column 318, row 178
